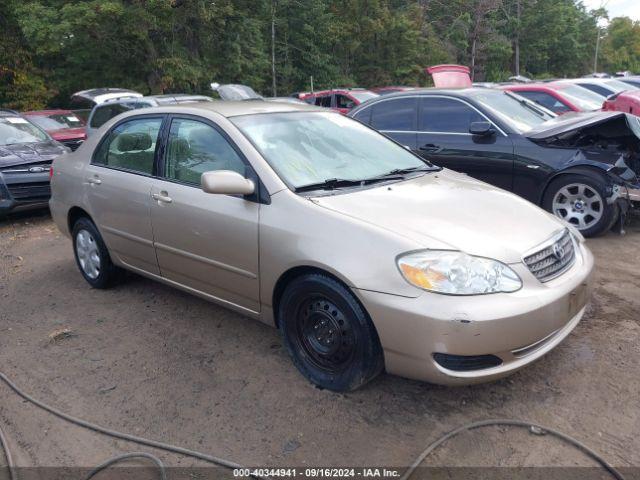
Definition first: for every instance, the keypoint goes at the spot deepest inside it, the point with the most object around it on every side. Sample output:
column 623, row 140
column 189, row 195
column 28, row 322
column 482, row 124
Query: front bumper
column 24, row 191
column 517, row 327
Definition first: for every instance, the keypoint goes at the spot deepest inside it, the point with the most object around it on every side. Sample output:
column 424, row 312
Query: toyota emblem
column 558, row 251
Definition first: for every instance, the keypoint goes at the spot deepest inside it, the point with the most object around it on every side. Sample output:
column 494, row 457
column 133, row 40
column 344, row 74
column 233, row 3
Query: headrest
column 130, row 142
column 178, row 147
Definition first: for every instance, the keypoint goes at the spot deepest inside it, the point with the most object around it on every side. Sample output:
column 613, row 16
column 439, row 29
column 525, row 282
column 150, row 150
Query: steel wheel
column 579, row 204
column 324, row 334
column 88, row 254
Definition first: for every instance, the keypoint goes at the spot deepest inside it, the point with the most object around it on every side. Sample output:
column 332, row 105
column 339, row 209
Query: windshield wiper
column 329, row 184
column 527, row 104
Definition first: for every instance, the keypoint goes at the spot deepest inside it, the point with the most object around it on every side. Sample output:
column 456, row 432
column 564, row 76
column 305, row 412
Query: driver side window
column 194, row 148
column 447, row 115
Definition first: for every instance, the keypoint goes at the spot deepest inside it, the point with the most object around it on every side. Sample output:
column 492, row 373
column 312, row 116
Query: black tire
column 107, row 273
column 327, row 333
column 594, row 183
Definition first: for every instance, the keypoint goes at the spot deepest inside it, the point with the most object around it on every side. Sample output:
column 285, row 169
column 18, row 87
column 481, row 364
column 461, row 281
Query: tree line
column 51, row 48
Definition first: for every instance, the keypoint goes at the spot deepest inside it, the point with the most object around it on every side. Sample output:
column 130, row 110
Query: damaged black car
column 26, row 153
column 581, row 167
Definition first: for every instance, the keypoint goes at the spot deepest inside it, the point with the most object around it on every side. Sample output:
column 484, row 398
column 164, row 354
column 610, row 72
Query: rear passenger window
column 447, row 115
column 397, row 115
column 194, row 148
column 130, row 146
column 324, row 101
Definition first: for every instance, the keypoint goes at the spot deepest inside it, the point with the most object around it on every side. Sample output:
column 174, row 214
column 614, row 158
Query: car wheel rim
column 324, row 334
column 578, row 204
column 88, row 254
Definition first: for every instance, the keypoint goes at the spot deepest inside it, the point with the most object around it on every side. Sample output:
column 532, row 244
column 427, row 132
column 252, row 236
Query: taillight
column 50, row 172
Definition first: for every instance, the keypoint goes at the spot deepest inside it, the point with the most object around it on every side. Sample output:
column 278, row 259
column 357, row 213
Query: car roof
column 44, row 113
column 453, row 92
column 96, row 92
column 228, row 108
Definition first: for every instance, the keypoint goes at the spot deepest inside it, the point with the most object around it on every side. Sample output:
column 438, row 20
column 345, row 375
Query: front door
column 204, row 241
column 118, row 185
column 444, row 139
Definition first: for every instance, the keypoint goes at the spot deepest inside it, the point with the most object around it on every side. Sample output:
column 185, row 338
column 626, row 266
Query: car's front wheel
column 328, row 335
column 581, row 201
column 92, row 256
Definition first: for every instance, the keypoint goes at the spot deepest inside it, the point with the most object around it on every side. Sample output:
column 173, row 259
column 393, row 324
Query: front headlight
column 456, row 273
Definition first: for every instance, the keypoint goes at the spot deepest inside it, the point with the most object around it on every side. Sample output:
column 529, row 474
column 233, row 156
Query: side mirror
column 483, row 129
column 226, row 182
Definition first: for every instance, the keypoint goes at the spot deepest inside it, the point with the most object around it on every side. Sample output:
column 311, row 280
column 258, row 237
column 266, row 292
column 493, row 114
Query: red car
column 628, row 102
column 63, row 125
column 341, row 99
column 558, row 97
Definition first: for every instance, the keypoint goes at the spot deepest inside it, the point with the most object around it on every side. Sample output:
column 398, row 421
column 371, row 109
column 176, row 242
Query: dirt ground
column 150, row 360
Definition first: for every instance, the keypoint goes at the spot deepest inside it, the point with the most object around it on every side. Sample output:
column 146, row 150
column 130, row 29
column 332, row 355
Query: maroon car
column 63, row 126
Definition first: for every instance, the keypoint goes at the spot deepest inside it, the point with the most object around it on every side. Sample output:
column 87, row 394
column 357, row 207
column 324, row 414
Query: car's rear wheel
column 581, row 201
column 92, row 256
column 328, row 335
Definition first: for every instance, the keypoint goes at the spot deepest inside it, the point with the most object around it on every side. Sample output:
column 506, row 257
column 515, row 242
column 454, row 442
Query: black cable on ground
column 113, row 433
column 7, row 455
column 532, row 427
column 127, row 456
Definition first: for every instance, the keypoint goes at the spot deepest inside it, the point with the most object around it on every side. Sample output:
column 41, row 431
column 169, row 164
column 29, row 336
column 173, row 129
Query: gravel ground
column 150, row 360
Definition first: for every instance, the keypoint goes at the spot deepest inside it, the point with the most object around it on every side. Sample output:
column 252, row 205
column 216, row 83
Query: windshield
column 519, row 114
column 237, row 92
column 18, row 130
column 363, row 96
column 582, row 98
column 56, row 121
column 312, row 147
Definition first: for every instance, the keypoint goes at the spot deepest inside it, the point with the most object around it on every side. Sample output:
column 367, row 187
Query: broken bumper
column 517, row 328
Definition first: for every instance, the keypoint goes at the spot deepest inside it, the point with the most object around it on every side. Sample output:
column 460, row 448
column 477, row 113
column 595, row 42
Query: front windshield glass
column 15, row 130
column 582, row 98
column 56, row 121
column 512, row 111
column 312, row 147
column 363, row 96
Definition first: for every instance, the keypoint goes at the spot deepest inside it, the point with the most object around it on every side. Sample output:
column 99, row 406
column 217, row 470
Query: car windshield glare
column 511, row 111
column 14, row 130
column 584, row 99
column 311, row 147
column 56, row 121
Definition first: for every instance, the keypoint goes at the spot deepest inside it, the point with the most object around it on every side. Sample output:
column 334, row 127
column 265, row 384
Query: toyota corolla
column 363, row 254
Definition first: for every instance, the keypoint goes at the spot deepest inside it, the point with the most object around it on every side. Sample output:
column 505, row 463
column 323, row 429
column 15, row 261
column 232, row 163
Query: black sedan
column 581, row 167
column 26, row 153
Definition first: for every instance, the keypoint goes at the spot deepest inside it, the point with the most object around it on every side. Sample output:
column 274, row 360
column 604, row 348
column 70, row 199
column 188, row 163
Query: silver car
column 365, row 256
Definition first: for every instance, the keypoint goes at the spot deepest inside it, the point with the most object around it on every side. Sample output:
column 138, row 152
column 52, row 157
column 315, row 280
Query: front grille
column 30, row 191
column 554, row 259
column 72, row 144
column 466, row 363
column 25, row 167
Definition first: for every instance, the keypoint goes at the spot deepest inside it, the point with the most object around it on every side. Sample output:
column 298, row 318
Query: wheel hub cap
column 88, row 255
column 578, row 204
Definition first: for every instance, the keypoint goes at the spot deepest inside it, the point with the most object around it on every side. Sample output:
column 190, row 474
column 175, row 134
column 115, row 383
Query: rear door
column 204, row 241
column 118, row 185
column 444, row 139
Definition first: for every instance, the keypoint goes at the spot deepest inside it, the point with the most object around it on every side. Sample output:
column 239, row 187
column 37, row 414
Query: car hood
column 571, row 127
column 19, row 154
column 68, row 133
column 447, row 210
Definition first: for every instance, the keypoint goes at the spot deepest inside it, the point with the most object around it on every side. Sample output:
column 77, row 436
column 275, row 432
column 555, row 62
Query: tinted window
column 131, row 146
column 324, row 101
column 342, row 101
column 399, row 114
column 546, row 100
column 600, row 90
column 447, row 115
column 363, row 116
column 194, row 148
column 103, row 113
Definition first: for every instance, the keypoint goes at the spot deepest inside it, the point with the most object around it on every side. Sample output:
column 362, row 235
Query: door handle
column 94, row 181
column 162, row 197
column 533, row 167
column 431, row 148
